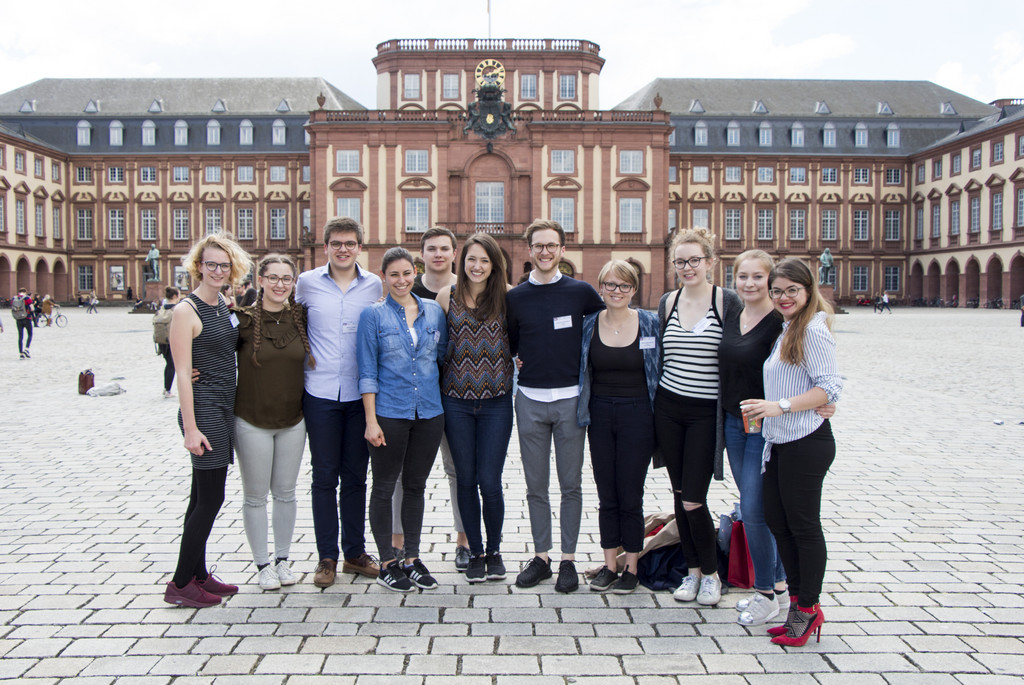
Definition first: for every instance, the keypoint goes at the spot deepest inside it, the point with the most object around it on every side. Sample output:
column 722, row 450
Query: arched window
column 277, row 132
column 116, row 134
column 180, row 132
column 306, row 131
column 892, row 135
column 700, row 134
column 860, row 135
column 148, row 133
column 797, row 135
column 764, row 134
column 245, row 132
column 213, row 132
column 828, row 135
column 732, row 134
column 84, row 132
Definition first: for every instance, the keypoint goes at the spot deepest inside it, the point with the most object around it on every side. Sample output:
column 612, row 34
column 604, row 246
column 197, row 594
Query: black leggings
column 686, row 429
column 792, row 483
column 203, row 505
column 165, row 350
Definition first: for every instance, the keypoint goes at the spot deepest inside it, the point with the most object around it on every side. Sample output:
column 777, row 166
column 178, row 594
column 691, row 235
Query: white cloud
column 1007, row 76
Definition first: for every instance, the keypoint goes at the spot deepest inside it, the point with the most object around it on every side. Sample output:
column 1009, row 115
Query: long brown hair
column 792, row 349
column 297, row 311
column 491, row 302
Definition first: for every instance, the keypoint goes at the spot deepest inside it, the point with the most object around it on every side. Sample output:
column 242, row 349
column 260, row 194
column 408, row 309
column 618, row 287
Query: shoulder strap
column 675, row 305
column 716, row 293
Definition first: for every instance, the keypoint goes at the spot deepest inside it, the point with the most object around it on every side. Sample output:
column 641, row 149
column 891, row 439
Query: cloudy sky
column 974, row 48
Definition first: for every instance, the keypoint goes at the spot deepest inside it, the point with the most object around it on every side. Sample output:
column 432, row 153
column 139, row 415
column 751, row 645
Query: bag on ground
column 86, row 380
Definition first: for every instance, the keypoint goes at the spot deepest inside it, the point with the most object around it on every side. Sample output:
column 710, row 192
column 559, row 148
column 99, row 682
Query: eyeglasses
column 349, row 245
column 693, row 262
column 215, row 266
column 617, row 287
column 549, row 247
column 789, row 292
column 274, row 279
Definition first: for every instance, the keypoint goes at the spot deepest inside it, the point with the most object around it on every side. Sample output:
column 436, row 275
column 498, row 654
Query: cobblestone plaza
column 923, row 509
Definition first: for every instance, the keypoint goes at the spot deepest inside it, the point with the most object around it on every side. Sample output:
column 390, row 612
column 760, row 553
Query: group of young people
column 379, row 371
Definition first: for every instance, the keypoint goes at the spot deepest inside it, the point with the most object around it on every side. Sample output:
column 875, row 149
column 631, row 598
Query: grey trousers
column 538, row 423
column 453, row 486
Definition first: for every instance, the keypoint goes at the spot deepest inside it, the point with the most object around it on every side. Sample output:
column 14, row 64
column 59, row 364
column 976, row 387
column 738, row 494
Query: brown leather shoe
column 325, row 572
column 364, row 565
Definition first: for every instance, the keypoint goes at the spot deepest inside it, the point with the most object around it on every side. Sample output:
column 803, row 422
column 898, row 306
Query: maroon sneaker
column 216, row 587
column 190, row 596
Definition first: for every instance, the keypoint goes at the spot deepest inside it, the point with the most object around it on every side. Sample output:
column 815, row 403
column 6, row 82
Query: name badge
column 647, row 343
column 349, row 326
column 234, row 320
column 701, row 326
column 563, row 322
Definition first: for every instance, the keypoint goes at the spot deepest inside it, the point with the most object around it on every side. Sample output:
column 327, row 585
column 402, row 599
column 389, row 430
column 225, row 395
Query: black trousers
column 203, row 505
column 165, row 350
column 24, row 326
column 792, row 483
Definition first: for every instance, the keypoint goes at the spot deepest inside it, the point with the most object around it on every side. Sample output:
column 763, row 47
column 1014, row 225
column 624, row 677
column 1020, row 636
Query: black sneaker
column 603, row 581
column 537, row 570
column 461, row 558
column 626, row 583
column 420, row 576
column 393, row 578
column 27, row 355
column 475, row 572
column 567, row 581
column 495, row 567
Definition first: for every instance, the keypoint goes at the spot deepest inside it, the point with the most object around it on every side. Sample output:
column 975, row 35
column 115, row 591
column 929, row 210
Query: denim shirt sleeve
column 367, row 347
column 583, row 404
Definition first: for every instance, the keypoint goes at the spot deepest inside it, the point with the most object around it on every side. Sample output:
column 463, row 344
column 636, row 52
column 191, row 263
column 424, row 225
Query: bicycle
column 57, row 318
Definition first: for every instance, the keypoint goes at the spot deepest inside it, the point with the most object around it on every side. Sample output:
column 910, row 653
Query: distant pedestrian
column 885, row 303
column 93, row 302
column 130, row 295
column 161, row 335
column 21, row 309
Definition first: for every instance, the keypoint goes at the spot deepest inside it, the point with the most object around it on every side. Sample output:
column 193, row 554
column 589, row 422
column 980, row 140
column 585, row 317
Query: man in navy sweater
column 545, row 327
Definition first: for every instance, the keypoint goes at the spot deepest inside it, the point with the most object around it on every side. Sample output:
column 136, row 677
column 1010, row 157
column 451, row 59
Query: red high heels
column 803, row 623
column 781, row 630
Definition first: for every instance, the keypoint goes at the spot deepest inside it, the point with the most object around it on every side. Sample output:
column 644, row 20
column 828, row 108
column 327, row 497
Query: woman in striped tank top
column 476, row 393
column 203, row 337
column 687, row 408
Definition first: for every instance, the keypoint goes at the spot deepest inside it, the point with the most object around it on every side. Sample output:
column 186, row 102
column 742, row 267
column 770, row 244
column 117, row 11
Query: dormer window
column 797, row 135
column 884, row 108
column 759, row 108
column 828, row 135
column 213, row 132
column 700, row 134
column 219, row 106
column 157, row 106
column 28, row 106
column 821, row 107
column 764, row 134
column 93, row 107
column 860, row 135
column 892, row 136
column 116, row 134
column 696, row 107
column 278, row 132
column 180, row 132
column 245, row 132
column 305, row 131
column 732, row 134
column 283, row 106
column 84, row 132
column 148, row 133
column 947, row 109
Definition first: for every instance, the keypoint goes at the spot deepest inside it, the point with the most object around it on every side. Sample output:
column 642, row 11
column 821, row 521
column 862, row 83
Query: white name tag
column 234, row 320
column 349, row 326
column 701, row 326
column 563, row 322
column 647, row 343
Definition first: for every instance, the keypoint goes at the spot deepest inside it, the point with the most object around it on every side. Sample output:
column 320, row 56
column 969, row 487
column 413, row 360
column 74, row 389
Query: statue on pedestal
column 151, row 270
column 827, row 270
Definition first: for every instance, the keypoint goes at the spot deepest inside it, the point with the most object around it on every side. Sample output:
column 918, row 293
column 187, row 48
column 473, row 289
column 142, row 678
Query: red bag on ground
column 741, row 566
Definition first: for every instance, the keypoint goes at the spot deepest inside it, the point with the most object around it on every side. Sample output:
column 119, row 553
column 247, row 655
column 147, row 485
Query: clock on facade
column 490, row 72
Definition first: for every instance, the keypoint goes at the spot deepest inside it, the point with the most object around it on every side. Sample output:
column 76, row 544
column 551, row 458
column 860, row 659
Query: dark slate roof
column 17, row 131
column 179, row 96
column 1007, row 115
column 799, row 97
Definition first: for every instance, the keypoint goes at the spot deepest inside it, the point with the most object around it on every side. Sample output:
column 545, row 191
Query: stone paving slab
column 923, row 511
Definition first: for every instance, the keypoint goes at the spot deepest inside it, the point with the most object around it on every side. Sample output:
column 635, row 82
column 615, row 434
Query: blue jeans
column 478, row 433
column 745, row 462
column 338, row 454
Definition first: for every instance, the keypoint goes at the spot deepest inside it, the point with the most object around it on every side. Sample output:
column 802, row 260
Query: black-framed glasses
column 337, row 245
column 217, row 266
column 274, row 279
column 617, row 287
column 545, row 247
column 790, row 292
column 692, row 262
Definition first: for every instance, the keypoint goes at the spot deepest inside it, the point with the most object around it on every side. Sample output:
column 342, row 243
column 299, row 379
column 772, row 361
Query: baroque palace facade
column 917, row 191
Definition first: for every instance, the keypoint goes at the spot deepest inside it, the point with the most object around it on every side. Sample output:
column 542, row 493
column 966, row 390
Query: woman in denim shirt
column 400, row 342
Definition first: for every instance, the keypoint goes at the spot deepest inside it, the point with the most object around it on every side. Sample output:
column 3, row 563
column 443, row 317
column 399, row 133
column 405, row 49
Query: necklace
column 277, row 319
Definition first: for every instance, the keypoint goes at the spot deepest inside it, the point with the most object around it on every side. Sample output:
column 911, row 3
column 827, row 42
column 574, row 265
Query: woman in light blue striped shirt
column 799, row 375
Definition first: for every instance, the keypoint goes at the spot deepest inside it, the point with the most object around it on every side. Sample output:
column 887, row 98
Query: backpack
column 162, row 326
column 18, row 308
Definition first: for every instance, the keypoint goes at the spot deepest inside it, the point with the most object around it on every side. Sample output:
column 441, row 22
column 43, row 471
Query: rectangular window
column 765, row 224
column 84, row 224
column 54, row 171
column 305, row 173
column 57, row 228
column 351, row 207
column 38, row 166
column 245, row 133
column 954, row 217
column 450, row 86
column 860, row 137
column 563, row 161
column 417, row 214
column 893, row 224
column 417, row 162
column 3, row 210
column 147, row 174
column 631, row 218
column 86, row 281
column 347, row 161
column 245, row 224
column 797, row 135
column 563, row 210
column 115, row 174
column 700, row 136
column 701, row 174
column 919, row 223
column 764, row 136
column 765, row 174
column 672, row 222
column 920, row 173
column 936, row 169
column 733, row 224
column 631, row 162
column 490, row 202
column 1020, row 206
column 212, row 174
column 147, row 220
column 997, row 211
column 860, row 279
column 975, row 217
column 245, row 174
column 732, row 136
column 412, row 86
column 729, row 276
column 672, row 138
column 829, row 175
column 306, row 214
column 954, row 164
column 861, row 224
column 278, row 174
column 828, row 137
column 213, row 135
column 84, row 131
column 733, row 174
column 278, row 224
column 19, row 217
column 83, row 174
column 115, row 224
column 976, row 158
column 701, row 218
column 182, row 229
column 673, row 174
column 19, row 162
column 180, row 174
column 997, row 152
column 893, row 177
column 567, row 86
column 862, row 175
column 829, row 224
column 798, row 174
column 214, row 220
column 892, row 138
column 180, row 134
column 936, row 220
column 892, row 279
column 528, row 86
column 148, row 134
column 797, row 224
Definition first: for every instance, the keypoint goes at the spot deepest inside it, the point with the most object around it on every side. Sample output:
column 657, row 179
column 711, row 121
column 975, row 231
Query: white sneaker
column 760, row 610
column 268, row 579
column 782, row 600
column 284, row 573
column 687, row 590
column 710, row 590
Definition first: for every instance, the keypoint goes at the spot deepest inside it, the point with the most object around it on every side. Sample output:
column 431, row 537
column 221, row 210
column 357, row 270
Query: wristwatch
column 785, row 405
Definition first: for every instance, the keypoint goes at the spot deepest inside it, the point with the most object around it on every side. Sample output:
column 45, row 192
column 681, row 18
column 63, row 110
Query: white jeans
column 269, row 461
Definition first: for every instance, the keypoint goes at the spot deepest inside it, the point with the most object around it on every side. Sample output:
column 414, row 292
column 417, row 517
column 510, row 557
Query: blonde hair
column 758, row 256
column 698, row 236
column 791, row 349
column 623, row 270
column 241, row 263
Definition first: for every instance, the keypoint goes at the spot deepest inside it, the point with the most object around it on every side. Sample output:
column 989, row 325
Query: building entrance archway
column 915, row 286
column 931, row 282
column 993, row 279
column 972, row 281
column 1016, row 280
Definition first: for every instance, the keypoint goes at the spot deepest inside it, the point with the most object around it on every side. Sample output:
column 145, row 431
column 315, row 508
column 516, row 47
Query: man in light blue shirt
column 335, row 295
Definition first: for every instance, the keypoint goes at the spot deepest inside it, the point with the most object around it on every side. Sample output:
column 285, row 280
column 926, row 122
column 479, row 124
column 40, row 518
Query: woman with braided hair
column 270, row 432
